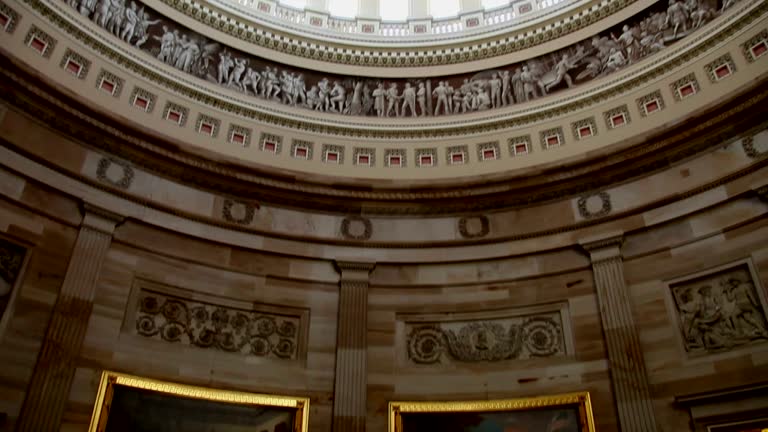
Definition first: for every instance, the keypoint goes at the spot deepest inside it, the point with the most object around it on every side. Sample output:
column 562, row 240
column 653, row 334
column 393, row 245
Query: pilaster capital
column 99, row 219
column 354, row 271
column 603, row 246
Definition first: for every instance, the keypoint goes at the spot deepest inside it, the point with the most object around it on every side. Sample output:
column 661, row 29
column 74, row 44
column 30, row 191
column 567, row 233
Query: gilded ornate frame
column 586, row 417
column 109, row 379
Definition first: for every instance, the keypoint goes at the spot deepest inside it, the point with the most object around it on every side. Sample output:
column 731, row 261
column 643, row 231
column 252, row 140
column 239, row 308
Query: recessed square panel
column 489, row 154
column 759, row 49
column 5, row 20
column 722, row 71
column 332, row 157
column 38, row 44
column 300, row 152
column 686, row 90
column 456, row 158
column 238, row 138
column 206, row 128
column 270, row 146
column 73, row 67
column 425, row 160
column 651, row 106
column 141, row 102
column 553, row 140
column 108, row 86
column 521, row 149
column 174, row 116
column 395, row 161
column 364, row 159
column 618, row 120
column 584, row 132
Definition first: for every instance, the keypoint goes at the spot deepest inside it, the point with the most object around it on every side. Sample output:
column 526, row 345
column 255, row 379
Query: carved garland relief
column 204, row 325
column 486, row 340
column 649, row 32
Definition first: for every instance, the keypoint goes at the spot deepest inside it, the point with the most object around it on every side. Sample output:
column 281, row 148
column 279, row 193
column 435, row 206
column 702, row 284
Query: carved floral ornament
column 487, row 341
column 647, row 33
column 172, row 319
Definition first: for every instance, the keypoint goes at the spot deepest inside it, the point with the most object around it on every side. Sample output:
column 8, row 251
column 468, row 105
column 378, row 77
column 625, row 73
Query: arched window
column 443, row 8
column 493, row 4
column 300, row 4
column 393, row 10
column 343, row 8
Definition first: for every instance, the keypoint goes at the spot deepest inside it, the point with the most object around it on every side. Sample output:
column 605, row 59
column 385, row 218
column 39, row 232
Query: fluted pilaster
column 349, row 402
column 49, row 388
column 628, row 376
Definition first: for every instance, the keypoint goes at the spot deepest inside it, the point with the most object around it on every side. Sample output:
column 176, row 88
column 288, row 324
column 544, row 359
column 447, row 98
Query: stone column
column 368, row 9
column 349, row 393
column 418, row 9
column 627, row 367
column 48, row 390
column 466, row 6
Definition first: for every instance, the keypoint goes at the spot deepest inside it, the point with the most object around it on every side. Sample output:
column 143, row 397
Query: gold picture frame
column 563, row 412
column 187, row 396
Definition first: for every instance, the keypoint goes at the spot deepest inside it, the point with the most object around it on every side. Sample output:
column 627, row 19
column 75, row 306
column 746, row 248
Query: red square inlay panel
column 332, row 157
column 206, row 128
column 74, row 67
column 617, row 120
column 238, row 138
column 108, row 86
column 301, row 152
column 553, row 140
column 585, row 131
column 141, row 102
column 270, row 146
column 38, row 45
column 4, row 20
column 489, row 154
column 759, row 49
column 722, row 71
column 652, row 106
column 394, row 160
column 686, row 90
column 426, row 160
column 174, row 116
column 457, row 157
column 363, row 160
column 521, row 148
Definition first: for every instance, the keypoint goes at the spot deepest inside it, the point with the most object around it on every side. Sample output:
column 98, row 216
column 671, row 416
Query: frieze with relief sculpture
column 720, row 311
column 649, row 32
column 247, row 332
column 525, row 337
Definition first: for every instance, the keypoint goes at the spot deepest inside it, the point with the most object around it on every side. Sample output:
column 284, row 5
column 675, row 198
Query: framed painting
column 130, row 403
column 560, row 413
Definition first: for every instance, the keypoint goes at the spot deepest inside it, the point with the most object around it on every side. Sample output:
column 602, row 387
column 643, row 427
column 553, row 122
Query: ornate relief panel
column 189, row 318
column 520, row 334
column 719, row 309
column 11, row 262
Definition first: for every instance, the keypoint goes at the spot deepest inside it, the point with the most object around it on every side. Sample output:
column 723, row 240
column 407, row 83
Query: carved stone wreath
column 124, row 182
column 606, row 208
column 485, row 227
column 347, row 223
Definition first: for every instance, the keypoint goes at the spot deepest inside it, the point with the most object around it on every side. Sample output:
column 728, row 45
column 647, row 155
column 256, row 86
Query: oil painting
column 129, row 403
column 560, row 413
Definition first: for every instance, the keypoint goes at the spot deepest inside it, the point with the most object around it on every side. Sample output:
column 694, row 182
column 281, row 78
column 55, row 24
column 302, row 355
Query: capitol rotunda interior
column 266, row 216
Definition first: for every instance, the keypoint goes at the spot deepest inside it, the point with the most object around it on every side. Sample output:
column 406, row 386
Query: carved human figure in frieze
column 337, row 97
column 530, row 84
column 87, row 7
column 167, row 45
column 101, row 14
column 129, row 22
column 392, row 94
column 141, row 32
column 495, row 84
column 409, row 100
column 252, row 79
column 299, row 90
column 561, row 72
column 441, row 94
column 189, row 55
column 237, row 73
column 421, row 98
column 616, row 60
column 286, row 87
column 116, row 14
column 323, row 94
column 741, row 309
column 483, row 100
column 272, row 83
column 628, row 41
column 379, row 95
column 677, row 16
column 313, row 97
column 506, row 89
